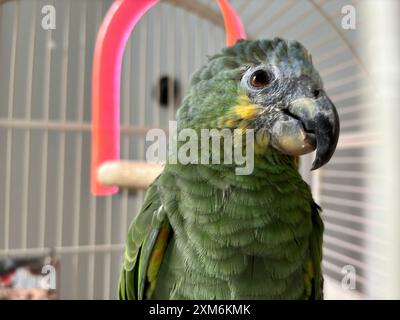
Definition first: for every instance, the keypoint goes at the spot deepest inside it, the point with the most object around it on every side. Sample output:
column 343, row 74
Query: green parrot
column 205, row 232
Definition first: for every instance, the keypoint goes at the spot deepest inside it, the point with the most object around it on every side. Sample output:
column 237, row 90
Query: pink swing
column 110, row 45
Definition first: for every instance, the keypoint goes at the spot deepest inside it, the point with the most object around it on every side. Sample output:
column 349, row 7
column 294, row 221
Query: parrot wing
column 148, row 237
column 313, row 269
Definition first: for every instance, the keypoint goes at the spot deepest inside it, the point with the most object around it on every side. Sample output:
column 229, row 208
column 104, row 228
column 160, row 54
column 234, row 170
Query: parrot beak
column 310, row 124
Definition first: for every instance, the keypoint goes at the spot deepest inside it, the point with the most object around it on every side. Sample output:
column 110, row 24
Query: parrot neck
column 227, row 225
column 248, row 164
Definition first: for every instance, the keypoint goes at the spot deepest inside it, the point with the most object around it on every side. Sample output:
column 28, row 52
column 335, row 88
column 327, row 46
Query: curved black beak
column 320, row 120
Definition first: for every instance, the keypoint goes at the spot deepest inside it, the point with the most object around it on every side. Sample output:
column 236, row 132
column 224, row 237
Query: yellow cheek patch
column 246, row 112
column 229, row 123
column 240, row 114
column 245, row 109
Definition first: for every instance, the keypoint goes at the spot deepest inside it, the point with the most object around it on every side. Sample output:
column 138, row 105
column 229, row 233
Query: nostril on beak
column 317, row 93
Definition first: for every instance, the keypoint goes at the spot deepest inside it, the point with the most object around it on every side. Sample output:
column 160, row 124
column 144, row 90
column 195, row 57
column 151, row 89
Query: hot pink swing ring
column 113, row 35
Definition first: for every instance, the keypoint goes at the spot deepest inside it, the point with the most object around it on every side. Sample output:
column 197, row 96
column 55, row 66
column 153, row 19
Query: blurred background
column 46, row 210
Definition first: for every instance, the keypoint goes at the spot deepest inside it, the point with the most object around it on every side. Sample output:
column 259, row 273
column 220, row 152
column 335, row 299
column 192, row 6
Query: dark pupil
column 259, row 79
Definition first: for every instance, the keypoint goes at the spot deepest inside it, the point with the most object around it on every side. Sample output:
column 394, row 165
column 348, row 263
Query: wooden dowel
column 129, row 174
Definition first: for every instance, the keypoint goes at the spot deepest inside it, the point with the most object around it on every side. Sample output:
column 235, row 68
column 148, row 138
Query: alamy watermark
column 349, row 17
column 49, row 17
column 204, row 146
column 349, row 278
column 49, row 277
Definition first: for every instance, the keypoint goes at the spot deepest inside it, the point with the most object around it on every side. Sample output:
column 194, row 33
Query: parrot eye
column 260, row 78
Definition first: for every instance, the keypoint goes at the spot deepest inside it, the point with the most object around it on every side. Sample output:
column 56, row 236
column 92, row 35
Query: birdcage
column 45, row 84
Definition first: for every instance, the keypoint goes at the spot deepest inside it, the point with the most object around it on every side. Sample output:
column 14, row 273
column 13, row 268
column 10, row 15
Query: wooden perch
column 129, row 174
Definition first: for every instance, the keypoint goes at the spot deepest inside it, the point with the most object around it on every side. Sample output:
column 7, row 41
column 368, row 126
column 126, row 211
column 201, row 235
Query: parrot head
column 270, row 86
